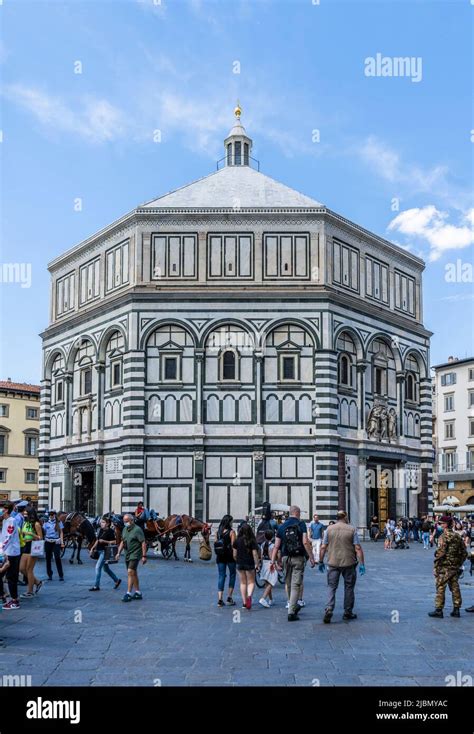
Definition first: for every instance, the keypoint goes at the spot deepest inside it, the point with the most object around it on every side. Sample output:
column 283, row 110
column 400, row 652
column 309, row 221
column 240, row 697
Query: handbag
column 37, row 548
column 95, row 555
column 110, row 553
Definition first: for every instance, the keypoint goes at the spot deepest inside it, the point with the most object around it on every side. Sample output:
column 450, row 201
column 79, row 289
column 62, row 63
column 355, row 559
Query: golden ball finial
column 238, row 111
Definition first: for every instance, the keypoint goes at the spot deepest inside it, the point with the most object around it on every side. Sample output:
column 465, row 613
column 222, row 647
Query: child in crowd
column 266, row 574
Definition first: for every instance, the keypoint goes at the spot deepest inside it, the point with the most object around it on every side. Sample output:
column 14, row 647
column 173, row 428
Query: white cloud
column 459, row 297
column 410, row 178
column 429, row 223
column 155, row 6
column 93, row 119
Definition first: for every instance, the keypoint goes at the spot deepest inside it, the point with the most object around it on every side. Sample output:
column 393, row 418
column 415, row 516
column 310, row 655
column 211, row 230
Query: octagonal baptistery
column 231, row 342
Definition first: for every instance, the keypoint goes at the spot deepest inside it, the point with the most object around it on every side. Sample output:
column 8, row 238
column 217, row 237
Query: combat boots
column 437, row 613
column 455, row 612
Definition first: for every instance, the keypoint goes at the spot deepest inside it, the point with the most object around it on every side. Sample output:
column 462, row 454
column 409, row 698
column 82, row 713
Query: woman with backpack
column 246, row 557
column 225, row 560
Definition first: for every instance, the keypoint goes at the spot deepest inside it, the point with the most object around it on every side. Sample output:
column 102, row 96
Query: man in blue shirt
column 292, row 541
column 316, row 531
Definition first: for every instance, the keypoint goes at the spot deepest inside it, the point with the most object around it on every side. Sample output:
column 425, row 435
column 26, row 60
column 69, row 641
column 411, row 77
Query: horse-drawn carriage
column 161, row 534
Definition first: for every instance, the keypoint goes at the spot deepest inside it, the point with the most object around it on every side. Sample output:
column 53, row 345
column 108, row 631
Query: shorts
column 26, row 548
column 132, row 564
column 245, row 567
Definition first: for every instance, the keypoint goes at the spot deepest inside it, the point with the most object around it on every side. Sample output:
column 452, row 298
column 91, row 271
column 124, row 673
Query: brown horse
column 77, row 529
column 184, row 526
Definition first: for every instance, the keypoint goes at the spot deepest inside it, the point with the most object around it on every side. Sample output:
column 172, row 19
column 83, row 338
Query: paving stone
column 177, row 635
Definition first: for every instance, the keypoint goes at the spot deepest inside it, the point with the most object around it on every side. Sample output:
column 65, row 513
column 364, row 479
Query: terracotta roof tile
column 19, row 386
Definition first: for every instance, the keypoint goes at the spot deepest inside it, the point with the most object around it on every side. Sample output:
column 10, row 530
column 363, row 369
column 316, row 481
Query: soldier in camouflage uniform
column 449, row 557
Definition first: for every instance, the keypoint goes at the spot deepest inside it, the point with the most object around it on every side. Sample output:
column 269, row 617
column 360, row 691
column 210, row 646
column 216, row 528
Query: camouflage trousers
column 447, row 577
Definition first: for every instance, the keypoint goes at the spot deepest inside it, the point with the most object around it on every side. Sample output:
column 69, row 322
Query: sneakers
column 95, row 588
column 293, row 618
column 437, row 613
column 11, row 605
column 137, row 595
column 117, row 583
column 27, row 595
column 327, row 616
column 127, row 597
column 230, row 601
column 220, row 603
column 264, row 603
column 248, row 603
column 300, row 603
column 38, row 586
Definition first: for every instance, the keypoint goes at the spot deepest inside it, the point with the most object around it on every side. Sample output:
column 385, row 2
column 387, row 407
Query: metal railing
column 242, row 161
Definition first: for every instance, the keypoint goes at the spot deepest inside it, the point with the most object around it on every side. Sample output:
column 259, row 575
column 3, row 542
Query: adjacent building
column 454, row 431
column 19, row 440
column 235, row 341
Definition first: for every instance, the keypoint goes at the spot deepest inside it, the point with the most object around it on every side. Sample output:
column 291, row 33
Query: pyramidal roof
column 236, row 185
column 233, row 186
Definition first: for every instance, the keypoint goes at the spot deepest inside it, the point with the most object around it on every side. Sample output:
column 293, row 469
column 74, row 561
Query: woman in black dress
column 246, row 557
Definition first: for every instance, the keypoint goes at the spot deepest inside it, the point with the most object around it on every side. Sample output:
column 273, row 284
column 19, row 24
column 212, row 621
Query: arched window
column 383, row 369
column 229, row 154
column 57, row 380
column 84, row 377
column 345, row 370
column 113, row 361
column 412, row 380
column 346, row 360
column 229, row 365
column 86, row 381
column 238, row 153
column 246, row 154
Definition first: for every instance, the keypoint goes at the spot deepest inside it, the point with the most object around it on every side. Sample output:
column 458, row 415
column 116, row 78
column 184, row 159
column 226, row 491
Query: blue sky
column 171, row 66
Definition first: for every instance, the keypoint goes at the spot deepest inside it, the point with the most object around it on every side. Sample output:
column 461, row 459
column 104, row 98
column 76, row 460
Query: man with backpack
column 292, row 541
column 449, row 557
column 341, row 543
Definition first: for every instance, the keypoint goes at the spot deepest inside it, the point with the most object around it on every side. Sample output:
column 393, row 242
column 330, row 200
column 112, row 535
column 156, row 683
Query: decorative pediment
column 289, row 345
column 171, row 345
column 115, row 353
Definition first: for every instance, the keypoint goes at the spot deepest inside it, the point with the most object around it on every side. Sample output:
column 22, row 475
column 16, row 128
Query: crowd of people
column 426, row 530
column 280, row 549
column 287, row 548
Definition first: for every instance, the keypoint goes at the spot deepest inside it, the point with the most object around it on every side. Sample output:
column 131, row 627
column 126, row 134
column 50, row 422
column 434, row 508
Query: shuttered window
column 345, row 261
column 286, row 256
column 174, row 256
column 230, row 256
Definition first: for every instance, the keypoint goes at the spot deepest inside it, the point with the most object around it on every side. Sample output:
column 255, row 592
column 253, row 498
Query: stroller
column 400, row 541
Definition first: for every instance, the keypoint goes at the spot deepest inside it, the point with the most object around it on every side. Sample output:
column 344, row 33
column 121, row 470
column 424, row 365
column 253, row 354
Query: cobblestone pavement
column 177, row 635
